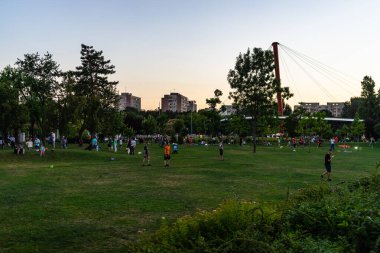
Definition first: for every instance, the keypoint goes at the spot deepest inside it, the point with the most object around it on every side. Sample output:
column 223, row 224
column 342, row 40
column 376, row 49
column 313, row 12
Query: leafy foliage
column 39, row 88
column 316, row 219
column 357, row 127
column 10, row 105
column 97, row 94
column 254, row 86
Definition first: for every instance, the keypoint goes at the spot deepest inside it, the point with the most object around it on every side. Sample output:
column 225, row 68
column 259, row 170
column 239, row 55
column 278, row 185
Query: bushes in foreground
column 322, row 218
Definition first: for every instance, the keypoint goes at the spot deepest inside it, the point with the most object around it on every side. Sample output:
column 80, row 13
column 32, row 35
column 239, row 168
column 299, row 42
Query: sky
column 163, row 46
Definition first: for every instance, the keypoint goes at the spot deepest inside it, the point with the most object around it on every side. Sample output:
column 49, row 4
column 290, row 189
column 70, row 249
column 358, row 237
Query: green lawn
column 88, row 203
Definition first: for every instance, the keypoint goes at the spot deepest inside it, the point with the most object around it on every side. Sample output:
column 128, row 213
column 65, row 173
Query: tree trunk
column 254, row 126
column 80, row 133
column 43, row 137
column 5, row 135
column 31, row 129
column 16, row 136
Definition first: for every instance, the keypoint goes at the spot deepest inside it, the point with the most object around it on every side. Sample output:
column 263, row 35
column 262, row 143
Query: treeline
column 37, row 97
column 367, row 106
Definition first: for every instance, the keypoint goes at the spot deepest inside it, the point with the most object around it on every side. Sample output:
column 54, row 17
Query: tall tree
column 96, row 92
column 254, row 86
column 149, row 125
column 321, row 127
column 357, row 128
column 133, row 119
column 238, row 125
column 368, row 107
column 291, row 123
column 350, row 108
column 212, row 113
column 213, row 102
column 112, row 122
column 68, row 104
column 39, row 89
column 13, row 113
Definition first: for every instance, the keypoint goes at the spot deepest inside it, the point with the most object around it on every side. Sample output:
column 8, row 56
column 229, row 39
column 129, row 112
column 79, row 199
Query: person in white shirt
column 29, row 144
column 52, row 139
column 133, row 146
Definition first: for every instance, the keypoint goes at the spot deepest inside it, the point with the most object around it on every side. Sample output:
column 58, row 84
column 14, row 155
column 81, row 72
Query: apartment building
column 128, row 100
column 335, row 108
column 176, row 102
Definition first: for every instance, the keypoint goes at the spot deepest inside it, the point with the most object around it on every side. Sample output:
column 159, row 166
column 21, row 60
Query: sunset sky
column 189, row 46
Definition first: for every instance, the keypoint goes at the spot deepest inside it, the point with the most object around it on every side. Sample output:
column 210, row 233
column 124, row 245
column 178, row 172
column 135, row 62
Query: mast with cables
column 277, row 78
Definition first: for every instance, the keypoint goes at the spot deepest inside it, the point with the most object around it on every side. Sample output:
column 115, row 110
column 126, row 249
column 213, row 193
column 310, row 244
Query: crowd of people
column 118, row 142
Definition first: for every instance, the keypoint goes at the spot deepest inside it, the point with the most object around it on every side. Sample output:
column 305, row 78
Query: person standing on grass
column 133, row 146
column 294, row 143
column 52, row 139
column 146, row 155
column 42, row 151
column 37, row 143
column 167, row 154
column 94, row 144
column 109, row 144
column 221, row 151
column 332, row 144
column 328, row 158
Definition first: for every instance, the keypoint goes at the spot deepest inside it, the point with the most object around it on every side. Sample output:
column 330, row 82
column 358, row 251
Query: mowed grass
column 89, row 203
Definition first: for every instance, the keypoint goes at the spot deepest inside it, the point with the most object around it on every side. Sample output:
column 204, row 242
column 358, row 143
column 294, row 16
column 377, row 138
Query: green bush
column 233, row 227
column 351, row 214
column 322, row 218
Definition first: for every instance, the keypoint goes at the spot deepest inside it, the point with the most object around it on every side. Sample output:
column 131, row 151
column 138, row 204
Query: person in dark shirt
column 328, row 158
column 146, row 156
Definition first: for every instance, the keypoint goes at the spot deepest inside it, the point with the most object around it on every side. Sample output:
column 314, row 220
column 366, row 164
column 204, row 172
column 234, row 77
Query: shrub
column 315, row 219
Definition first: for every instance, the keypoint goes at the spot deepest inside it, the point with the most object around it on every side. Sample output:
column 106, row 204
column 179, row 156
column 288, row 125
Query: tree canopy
column 96, row 92
column 254, row 86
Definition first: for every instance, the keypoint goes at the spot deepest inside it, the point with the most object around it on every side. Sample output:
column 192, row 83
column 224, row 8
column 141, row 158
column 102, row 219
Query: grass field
column 89, row 203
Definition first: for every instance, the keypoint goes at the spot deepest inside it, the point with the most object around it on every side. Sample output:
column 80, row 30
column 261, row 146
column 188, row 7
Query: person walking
column 328, row 158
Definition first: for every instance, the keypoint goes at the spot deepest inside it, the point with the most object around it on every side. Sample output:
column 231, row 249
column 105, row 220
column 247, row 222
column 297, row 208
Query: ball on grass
column 51, row 166
column 139, row 153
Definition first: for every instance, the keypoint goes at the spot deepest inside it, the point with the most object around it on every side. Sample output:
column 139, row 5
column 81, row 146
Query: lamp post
column 191, row 122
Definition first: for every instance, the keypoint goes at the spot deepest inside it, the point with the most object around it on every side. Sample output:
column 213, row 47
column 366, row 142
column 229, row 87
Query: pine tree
column 96, row 93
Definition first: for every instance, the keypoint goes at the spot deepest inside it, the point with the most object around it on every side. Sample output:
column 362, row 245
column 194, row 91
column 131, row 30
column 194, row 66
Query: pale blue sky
column 189, row 46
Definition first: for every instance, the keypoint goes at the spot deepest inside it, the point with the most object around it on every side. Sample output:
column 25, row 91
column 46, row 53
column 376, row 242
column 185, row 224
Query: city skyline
column 188, row 47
